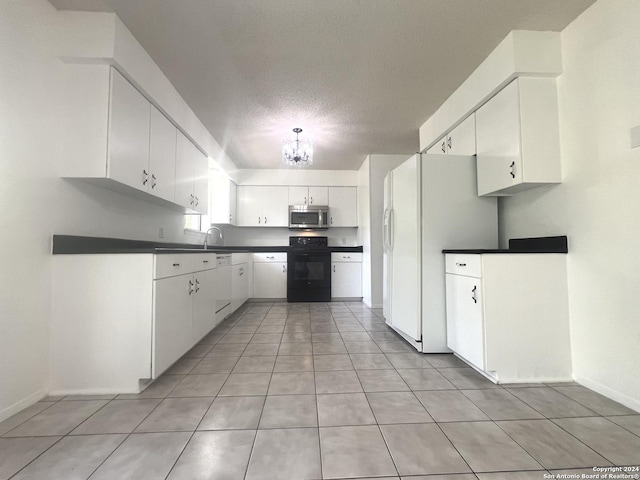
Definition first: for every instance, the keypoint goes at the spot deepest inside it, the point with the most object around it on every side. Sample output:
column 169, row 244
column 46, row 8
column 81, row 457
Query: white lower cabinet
column 270, row 275
column 173, row 331
column 508, row 315
column 204, row 303
column 119, row 320
column 346, row 275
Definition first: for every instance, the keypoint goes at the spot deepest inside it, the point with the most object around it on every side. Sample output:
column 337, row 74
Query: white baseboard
column 22, row 404
column 620, row 397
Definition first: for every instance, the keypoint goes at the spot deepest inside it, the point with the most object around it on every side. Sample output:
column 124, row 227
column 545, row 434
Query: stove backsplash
column 265, row 236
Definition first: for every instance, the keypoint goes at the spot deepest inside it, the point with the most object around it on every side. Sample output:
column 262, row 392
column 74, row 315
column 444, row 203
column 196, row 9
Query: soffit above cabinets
column 359, row 77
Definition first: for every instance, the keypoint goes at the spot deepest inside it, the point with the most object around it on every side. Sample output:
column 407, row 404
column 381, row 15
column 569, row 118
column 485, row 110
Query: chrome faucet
column 206, row 236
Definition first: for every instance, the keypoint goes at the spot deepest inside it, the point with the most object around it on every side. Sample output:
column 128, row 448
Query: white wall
column 597, row 205
column 364, row 229
column 295, row 176
column 35, row 203
column 379, row 166
column 274, row 236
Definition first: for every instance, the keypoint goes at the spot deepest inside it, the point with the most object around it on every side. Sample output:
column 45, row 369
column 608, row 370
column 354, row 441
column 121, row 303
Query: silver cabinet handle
column 205, row 261
column 197, row 285
column 154, row 182
column 265, row 220
column 193, row 199
column 305, row 200
column 145, row 177
column 331, row 220
column 190, row 287
column 513, row 169
column 334, row 268
column 176, row 264
column 270, row 258
column 346, row 256
column 259, row 219
column 474, row 291
column 230, row 217
column 449, row 142
column 310, row 200
column 444, row 147
column 197, row 201
column 461, row 264
column 284, row 269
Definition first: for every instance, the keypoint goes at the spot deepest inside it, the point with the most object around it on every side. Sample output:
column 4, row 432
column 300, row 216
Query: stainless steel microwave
column 308, row 217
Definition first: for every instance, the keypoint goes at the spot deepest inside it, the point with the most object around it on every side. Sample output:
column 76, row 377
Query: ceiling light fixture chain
column 297, row 153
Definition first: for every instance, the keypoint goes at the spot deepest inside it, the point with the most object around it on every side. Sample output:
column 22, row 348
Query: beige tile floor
column 319, row 391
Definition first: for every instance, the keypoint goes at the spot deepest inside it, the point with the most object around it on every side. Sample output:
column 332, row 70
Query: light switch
column 635, row 137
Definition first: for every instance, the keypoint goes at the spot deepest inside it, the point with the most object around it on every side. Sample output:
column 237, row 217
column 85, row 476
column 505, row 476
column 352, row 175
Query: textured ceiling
column 358, row 76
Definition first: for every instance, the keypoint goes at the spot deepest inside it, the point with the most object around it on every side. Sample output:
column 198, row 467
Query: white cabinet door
column 249, row 206
column 162, row 156
column 438, row 148
column 204, row 303
column 346, row 279
column 233, row 203
column 462, row 139
column 201, row 181
column 275, row 206
column 172, row 321
column 343, row 207
column 185, row 171
column 308, row 195
column 517, row 136
column 465, row 322
column 270, row 280
column 298, row 196
column 128, row 144
column 318, row 195
column 239, row 285
column 222, row 208
column 498, row 141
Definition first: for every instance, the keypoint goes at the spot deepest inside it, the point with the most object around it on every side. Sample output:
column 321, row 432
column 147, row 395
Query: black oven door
column 309, row 276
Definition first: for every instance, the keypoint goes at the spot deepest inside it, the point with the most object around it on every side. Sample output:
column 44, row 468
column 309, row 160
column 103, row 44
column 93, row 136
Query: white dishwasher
column 223, row 286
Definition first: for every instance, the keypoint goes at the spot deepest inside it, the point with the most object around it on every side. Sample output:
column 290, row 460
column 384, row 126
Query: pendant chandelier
column 297, row 153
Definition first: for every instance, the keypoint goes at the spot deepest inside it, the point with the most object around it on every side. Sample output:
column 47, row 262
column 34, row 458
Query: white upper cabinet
column 192, row 176
column 222, row 208
column 263, row 206
column 116, row 138
column 460, row 141
column 308, row 195
column 128, row 138
column 298, row 195
column 343, row 207
column 517, row 138
column 162, row 157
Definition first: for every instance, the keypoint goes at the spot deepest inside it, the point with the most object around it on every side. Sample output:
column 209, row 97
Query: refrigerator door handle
column 391, row 231
column 385, row 217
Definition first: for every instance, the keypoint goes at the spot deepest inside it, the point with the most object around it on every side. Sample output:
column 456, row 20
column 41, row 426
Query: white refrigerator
column 430, row 204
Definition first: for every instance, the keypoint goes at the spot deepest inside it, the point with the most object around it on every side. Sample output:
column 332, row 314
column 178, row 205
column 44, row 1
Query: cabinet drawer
column 237, row 258
column 346, row 257
column 169, row 265
column 203, row 261
column 270, row 257
column 462, row 264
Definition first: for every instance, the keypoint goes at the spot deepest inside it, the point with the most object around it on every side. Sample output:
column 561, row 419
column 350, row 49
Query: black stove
column 309, row 270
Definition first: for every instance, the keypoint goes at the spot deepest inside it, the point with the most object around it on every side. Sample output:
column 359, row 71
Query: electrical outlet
column 161, row 232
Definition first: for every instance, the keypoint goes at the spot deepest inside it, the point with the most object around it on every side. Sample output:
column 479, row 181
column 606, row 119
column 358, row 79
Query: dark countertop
column 73, row 244
column 557, row 244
